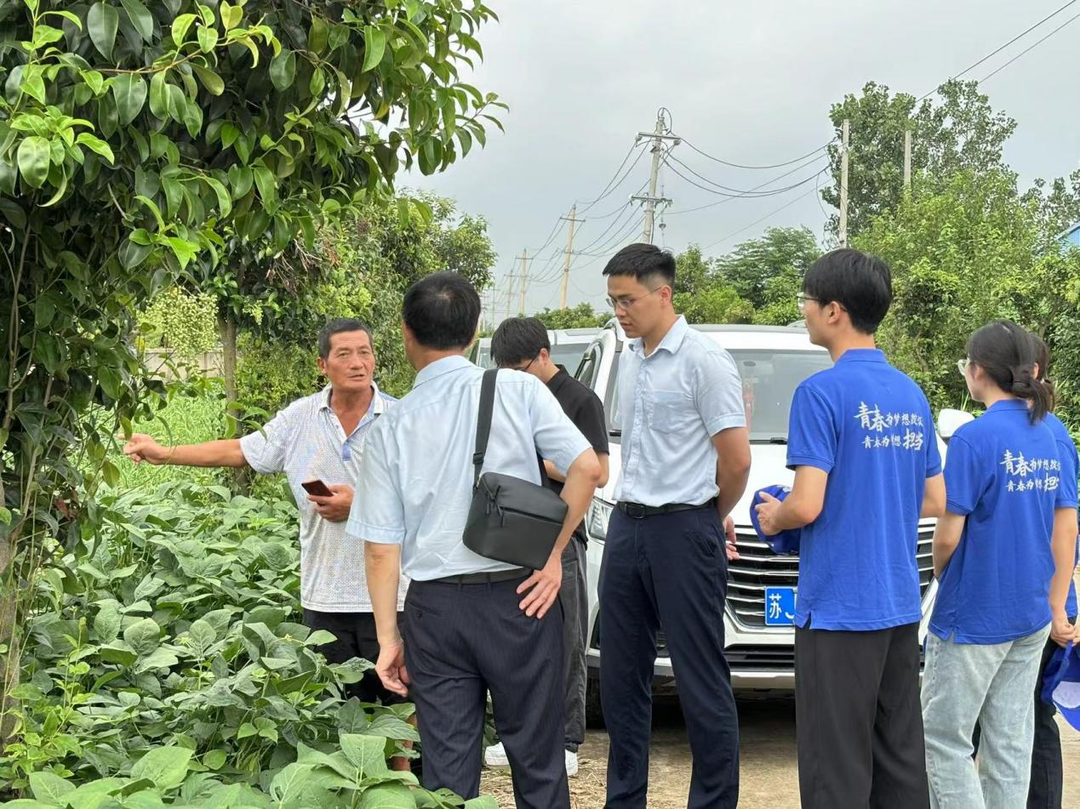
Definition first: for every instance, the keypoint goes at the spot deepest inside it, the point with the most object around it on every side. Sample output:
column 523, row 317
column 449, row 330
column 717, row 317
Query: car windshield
column 769, row 379
column 568, row 356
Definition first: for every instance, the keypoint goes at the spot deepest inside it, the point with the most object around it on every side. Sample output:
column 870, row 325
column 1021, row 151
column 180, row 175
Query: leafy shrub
column 167, row 660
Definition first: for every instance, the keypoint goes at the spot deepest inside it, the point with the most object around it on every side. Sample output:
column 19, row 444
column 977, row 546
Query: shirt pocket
column 670, row 411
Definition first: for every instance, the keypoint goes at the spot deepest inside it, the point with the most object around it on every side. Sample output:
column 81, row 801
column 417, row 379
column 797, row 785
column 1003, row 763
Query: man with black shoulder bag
column 449, row 494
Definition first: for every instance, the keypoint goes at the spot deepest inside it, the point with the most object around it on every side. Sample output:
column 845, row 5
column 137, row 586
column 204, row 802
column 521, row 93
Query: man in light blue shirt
column 472, row 624
column 685, row 462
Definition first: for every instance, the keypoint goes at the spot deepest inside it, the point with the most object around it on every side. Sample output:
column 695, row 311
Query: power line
column 787, row 204
column 734, row 193
column 756, row 188
column 612, row 185
column 759, row 168
column 1032, row 47
column 998, row 50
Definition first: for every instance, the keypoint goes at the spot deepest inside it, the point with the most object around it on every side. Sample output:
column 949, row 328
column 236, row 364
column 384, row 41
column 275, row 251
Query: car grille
column 758, row 568
column 761, row 658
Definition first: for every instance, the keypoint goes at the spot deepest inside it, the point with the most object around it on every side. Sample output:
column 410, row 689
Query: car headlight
column 597, row 519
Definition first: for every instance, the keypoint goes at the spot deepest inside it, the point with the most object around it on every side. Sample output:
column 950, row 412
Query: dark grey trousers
column 574, row 597
column 466, row 640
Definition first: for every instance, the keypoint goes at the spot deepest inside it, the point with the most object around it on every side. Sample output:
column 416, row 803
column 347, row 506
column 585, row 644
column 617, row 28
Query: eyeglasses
column 801, row 299
column 529, row 365
column 627, row 303
column 962, row 366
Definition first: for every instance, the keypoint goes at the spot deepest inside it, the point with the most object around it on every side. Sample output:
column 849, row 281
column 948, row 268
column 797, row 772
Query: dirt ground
column 769, row 778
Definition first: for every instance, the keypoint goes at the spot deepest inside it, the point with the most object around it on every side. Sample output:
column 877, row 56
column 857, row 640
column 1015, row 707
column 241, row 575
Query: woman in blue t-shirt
column 1007, row 508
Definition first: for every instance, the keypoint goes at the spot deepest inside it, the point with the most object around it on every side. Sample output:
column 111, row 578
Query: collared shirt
column 1004, row 474
column 1070, row 468
column 306, row 441
column 672, row 403
column 416, row 482
column 584, row 408
column 869, row 427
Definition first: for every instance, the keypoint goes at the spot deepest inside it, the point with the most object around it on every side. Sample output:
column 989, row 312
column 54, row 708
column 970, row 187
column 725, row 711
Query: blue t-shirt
column 870, row 428
column 1005, row 475
column 1070, row 467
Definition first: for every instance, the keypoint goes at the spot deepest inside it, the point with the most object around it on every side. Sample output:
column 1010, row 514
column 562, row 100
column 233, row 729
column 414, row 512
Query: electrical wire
column 808, row 164
column 1030, row 48
column 999, row 49
column 730, row 192
column 612, row 184
column 758, row 168
column 775, row 211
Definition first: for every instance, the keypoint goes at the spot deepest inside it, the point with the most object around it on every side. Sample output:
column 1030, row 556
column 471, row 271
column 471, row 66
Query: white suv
column 772, row 361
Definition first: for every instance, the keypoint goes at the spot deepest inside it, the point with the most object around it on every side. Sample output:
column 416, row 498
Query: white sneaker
column 571, row 764
column 495, row 756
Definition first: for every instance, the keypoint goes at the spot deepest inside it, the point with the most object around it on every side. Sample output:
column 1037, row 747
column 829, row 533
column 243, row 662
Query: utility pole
column 573, row 220
column 661, row 133
column 524, row 280
column 846, row 133
column 509, row 292
column 491, row 305
column 907, row 161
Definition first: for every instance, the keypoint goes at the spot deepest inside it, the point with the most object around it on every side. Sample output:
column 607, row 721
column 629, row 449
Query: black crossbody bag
column 510, row 520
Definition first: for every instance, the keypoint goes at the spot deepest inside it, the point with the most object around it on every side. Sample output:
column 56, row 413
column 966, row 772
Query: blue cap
column 786, row 542
column 1061, row 683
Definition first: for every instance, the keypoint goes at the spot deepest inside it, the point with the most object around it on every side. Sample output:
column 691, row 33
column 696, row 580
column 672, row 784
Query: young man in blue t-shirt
column 864, row 451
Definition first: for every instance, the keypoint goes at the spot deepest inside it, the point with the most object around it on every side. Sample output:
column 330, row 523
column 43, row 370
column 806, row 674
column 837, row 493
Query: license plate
column 779, row 606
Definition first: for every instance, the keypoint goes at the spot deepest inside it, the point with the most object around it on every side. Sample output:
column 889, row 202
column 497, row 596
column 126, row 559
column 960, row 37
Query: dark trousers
column 858, row 719
column 671, row 571
column 574, row 598
column 466, row 640
column 355, row 637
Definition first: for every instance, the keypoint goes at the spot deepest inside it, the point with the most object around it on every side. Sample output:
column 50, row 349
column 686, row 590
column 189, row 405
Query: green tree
column 582, row 316
column 959, row 132
column 780, row 253
column 717, row 303
column 136, row 140
column 974, row 251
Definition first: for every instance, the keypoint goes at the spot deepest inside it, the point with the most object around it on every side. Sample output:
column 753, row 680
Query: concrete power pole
column 661, row 133
column 907, row 161
column 573, row 220
column 509, row 293
column 524, row 280
column 846, row 133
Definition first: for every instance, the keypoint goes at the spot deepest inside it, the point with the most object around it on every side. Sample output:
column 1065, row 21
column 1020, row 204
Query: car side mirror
column 950, row 420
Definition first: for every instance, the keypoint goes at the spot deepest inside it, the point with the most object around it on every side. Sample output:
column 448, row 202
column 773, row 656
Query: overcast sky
column 748, row 82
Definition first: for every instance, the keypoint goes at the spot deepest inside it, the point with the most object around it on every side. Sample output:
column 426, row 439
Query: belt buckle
column 635, row 511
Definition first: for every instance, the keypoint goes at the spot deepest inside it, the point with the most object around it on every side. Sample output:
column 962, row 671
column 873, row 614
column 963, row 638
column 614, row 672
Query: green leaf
column 222, row 193
column 159, row 95
column 193, row 118
column 229, row 133
column 33, row 84
column 102, row 22
column 166, row 767
column 140, row 18
column 129, row 90
column 283, row 70
column 288, row 785
column 246, row 729
column 107, row 623
column 365, row 752
column 374, row 47
column 214, row 760
column 483, row 802
column 183, row 250
column 11, row 210
column 388, row 797
column 143, row 636
column 210, row 80
column 157, row 659
column 33, row 158
column 116, row 653
column 317, row 35
column 267, row 185
column 49, row 787
column 180, row 28
column 94, row 80
column 208, row 38
column 96, row 145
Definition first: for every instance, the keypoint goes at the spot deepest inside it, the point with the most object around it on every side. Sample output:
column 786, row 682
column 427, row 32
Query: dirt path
column 768, row 770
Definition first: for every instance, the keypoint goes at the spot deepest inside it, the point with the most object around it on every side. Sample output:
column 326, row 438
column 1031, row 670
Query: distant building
column 1071, row 236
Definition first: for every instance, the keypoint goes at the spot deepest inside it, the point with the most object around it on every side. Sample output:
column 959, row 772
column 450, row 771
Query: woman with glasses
column 1004, row 545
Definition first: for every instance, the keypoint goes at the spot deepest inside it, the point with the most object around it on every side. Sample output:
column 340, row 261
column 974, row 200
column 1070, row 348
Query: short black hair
column 859, row 282
column 643, row 261
column 442, row 310
column 340, row 325
column 517, row 340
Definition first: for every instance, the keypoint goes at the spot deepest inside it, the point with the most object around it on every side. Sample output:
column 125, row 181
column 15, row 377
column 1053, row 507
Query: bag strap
column 483, row 423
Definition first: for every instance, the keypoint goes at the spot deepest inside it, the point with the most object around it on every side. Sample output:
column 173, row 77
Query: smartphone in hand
column 317, row 488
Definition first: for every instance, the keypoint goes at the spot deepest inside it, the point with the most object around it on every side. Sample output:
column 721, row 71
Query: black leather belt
column 637, row 511
column 486, row 578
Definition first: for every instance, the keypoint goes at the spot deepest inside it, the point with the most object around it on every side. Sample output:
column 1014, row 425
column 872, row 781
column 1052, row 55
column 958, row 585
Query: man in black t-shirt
column 522, row 344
